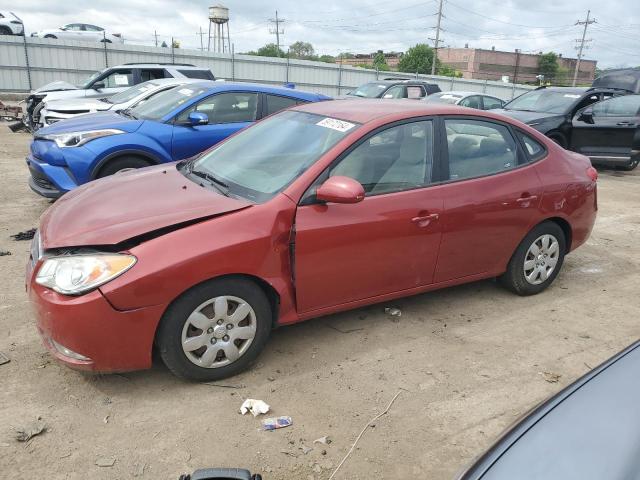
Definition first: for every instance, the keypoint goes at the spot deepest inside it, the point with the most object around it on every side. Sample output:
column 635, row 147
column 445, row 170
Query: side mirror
column 586, row 115
column 98, row 85
column 198, row 118
column 340, row 189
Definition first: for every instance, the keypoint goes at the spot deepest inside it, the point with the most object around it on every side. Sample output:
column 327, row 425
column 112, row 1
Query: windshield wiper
column 127, row 113
column 213, row 180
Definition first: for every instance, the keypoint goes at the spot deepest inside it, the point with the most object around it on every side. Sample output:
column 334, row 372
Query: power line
column 586, row 23
column 502, row 21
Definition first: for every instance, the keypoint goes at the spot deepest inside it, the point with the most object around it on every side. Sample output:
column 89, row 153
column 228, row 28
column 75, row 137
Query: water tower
column 219, row 18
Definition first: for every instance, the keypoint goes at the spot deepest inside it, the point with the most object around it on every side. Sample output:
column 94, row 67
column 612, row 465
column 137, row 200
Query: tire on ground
column 169, row 334
column 514, row 278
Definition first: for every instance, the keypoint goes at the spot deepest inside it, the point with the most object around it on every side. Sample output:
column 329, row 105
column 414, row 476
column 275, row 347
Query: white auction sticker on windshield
column 335, row 124
column 571, row 95
column 185, row 91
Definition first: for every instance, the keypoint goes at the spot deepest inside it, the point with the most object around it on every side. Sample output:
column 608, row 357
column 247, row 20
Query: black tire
column 5, row 31
column 51, row 36
column 559, row 138
column 122, row 163
column 514, row 278
column 630, row 167
column 169, row 334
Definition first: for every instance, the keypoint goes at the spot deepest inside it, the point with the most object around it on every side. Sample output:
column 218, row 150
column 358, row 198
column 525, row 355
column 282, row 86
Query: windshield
column 131, row 93
column 288, row 143
column 157, row 107
column 547, row 101
column 89, row 80
column 369, row 90
column 443, row 98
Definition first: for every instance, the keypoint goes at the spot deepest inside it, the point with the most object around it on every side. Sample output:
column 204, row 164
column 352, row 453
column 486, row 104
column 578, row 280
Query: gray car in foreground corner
column 588, row 431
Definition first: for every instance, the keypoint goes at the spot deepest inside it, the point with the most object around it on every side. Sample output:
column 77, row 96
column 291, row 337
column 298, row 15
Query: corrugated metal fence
column 28, row 63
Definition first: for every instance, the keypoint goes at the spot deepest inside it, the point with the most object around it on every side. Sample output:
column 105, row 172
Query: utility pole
column 515, row 70
column 277, row 21
column 201, row 34
column 155, row 34
column 586, row 23
column 436, row 41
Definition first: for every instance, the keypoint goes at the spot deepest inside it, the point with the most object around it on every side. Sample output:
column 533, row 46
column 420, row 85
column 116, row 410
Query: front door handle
column 626, row 124
column 527, row 199
column 425, row 220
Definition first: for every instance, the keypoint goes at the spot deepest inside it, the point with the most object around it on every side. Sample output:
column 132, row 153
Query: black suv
column 395, row 88
column 551, row 109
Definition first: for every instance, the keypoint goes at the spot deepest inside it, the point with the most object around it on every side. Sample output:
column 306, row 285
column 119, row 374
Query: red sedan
column 322, row 208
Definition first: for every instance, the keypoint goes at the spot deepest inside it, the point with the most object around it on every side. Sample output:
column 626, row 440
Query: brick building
column 492, row 64
column 392, row 58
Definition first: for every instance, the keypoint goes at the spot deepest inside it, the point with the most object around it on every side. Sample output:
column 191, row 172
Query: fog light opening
column 67, row 352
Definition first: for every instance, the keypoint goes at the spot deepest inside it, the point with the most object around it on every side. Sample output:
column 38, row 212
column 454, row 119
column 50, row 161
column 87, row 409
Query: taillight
column 592, row 173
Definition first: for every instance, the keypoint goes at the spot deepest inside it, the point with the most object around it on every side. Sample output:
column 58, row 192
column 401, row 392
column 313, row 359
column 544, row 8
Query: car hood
column 56, row 87
column 528, row 117
column 127, row 205
column 92, row 121
column 73, row 105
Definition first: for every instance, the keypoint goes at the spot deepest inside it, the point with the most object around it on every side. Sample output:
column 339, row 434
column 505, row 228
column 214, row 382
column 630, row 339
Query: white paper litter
column 256, row 407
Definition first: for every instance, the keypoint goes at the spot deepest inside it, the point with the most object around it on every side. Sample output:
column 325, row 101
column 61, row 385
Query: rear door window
column 275, row 103
column 397, row 91
column 147, row 74
column 477, row 148
column 415, row 91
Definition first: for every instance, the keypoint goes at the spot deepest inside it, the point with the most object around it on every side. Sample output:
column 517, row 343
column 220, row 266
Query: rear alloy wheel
column 121, row 165
column 537, row 260
column 215, row 330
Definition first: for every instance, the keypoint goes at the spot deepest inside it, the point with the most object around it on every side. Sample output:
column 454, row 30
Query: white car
column 82, row 32
column 56, row 110
column 10, row 24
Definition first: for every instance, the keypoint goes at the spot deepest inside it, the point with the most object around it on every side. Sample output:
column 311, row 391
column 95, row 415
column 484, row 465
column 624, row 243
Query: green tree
column 302, row 50
column 327, row 59
column 548, row 65
column 417, row 59
column 447, row 71
column 269, row 50
column 380, row 62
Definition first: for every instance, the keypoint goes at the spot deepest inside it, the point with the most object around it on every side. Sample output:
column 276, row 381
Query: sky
column 361, row 26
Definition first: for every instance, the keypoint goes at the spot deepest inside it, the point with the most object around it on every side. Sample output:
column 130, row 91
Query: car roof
column 368, row 110
column 214, row 86
column 461, row 93
column 401, row 81
column 173, row 81
column 183, row 66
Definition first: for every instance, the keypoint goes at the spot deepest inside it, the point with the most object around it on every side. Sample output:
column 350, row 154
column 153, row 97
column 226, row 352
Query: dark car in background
column 400, row 88
column 476, row 100
column 588, row 431
column 550, row 110
column 608, row 132
column 625, row 79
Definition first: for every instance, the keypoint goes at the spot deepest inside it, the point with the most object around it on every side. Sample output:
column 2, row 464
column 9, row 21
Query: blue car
column 173, row 125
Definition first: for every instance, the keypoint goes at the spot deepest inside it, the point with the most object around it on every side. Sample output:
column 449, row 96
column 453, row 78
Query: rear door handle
column 626, row 124
column 530, row 198
column 425, row 220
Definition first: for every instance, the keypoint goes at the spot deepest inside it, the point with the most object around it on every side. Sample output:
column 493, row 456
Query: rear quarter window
column 199, row 74
column 534, row 149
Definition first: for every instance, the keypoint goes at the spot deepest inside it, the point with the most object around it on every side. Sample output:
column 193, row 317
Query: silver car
column 475, row 100
column 56, row 110
column 81, row 32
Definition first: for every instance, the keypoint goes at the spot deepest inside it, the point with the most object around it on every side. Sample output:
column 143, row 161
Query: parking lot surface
column 468, row 361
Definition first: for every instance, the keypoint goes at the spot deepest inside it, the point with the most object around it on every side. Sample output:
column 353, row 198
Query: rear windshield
column 201, row 74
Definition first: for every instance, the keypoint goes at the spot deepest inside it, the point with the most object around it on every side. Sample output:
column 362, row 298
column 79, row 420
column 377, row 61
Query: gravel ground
column 468, row 361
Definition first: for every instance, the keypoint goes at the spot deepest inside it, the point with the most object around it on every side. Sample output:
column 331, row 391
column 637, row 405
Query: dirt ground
column 467, row 360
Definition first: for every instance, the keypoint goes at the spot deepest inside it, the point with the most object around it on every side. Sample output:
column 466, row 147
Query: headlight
column 75, row 139
column 75, row 274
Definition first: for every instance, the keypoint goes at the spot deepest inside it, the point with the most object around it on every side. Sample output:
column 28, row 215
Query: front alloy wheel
column 219, row 332
column 215, row 330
